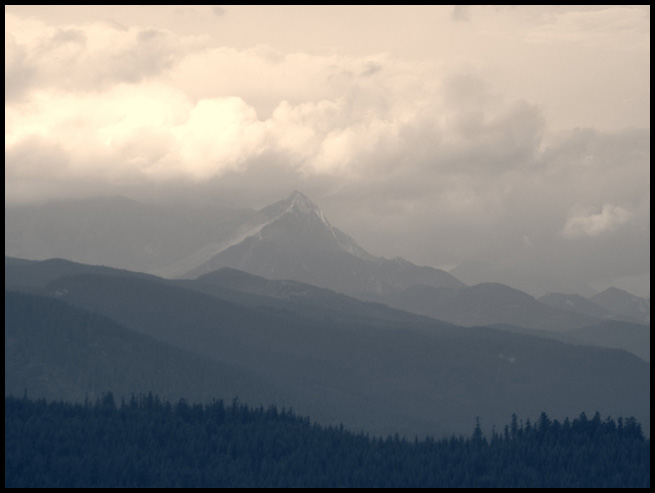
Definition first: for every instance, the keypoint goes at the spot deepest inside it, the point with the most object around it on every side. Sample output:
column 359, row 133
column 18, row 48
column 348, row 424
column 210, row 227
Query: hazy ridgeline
column 333, row 358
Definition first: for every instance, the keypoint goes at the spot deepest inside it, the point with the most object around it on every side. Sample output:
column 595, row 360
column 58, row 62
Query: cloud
column 454, row 146
column 218, row 11
column 411, row 157
column 219, row 135
column 89, row 57
column 371, row 68
column 595, row 223
column 607, row 26
column 21, row 71
column 460, row 13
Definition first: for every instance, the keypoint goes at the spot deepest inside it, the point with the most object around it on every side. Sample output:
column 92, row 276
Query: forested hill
column 147, row 442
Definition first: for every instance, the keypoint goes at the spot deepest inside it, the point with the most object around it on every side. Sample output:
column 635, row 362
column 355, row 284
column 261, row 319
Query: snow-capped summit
column 298, row 204
column 297, row 223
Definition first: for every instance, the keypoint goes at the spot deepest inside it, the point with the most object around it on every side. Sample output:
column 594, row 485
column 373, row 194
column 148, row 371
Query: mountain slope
column 576, row 303
column 583, row 306
column 521, row 276
column 306, row 300
column 57, row 351
column 295, row 241
column 623, row 303
column 485, row 304
column 321, row 304
column 22, row 273
column 318, row 302
column 403, row 376
column 616, row 334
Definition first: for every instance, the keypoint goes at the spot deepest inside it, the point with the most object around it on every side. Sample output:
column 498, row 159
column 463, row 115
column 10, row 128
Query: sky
column 517, row 137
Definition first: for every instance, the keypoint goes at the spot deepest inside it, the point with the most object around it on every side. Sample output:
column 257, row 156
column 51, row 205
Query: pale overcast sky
column 513, row 135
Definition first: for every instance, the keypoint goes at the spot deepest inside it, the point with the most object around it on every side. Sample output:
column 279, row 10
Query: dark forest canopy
column 150, row 442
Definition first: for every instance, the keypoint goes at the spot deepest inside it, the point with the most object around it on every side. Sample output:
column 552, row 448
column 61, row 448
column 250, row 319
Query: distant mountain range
column 486, row 304
column 334, row 358
column 522, row 277
column 290, row 239
column 623, row 303
column 293, row 240
column 611, row 304
column 604, row 330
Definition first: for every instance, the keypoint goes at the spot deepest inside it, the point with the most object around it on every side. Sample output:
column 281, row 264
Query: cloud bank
column 594, row 224
column 418, row 158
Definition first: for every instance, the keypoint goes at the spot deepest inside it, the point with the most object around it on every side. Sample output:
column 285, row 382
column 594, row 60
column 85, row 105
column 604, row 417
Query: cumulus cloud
column 595, row 223
column 326, row 114
column 90, row 57
column 454, row 147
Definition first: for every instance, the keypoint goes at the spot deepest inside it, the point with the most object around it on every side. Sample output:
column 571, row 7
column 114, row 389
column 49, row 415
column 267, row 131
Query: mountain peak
column 616, row 292
column 301, row 203
column 296, row 195
column 624, row 303
column 298, row 203
column 298, row 220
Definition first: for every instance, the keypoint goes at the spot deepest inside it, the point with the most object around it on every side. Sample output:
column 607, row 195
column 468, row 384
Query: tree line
column 149, row 442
